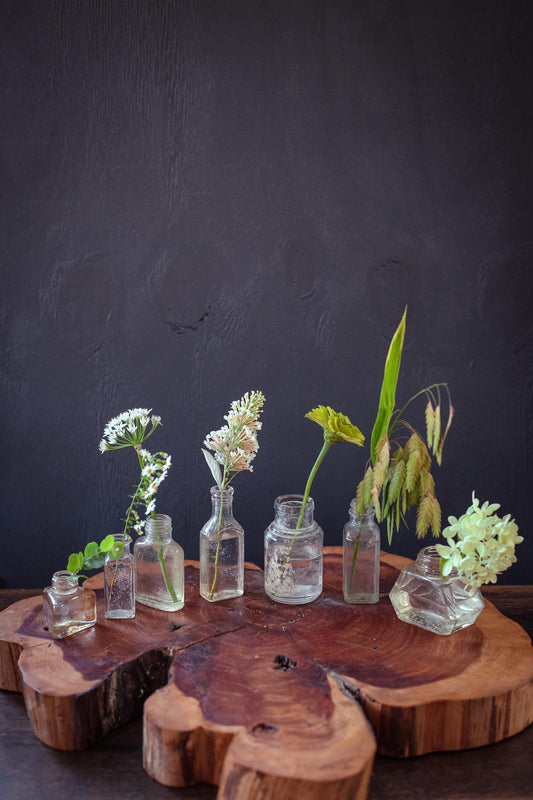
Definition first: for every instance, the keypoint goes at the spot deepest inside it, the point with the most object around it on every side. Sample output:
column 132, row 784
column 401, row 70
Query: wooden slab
column 267, row 700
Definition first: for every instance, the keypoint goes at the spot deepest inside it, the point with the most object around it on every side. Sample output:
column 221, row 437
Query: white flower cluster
column 235, row 445
column 484, row 545
column 128, row 428
column 154, row 471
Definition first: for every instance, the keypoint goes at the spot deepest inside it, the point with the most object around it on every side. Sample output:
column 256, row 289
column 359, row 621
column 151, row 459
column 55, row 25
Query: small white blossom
column 150, row 507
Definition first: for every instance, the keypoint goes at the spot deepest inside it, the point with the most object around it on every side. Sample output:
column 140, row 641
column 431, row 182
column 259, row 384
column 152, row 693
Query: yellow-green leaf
column 387, row 399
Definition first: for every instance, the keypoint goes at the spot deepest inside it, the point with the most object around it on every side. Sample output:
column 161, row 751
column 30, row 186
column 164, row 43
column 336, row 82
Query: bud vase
column 119, row 580
column 293, row 552
column 360, row 557
column 67, row 606
column 159, row 566
column 422, row 597
column 221, row 550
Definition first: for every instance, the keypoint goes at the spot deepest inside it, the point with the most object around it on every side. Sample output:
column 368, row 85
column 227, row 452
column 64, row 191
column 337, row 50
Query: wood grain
column 272, row 700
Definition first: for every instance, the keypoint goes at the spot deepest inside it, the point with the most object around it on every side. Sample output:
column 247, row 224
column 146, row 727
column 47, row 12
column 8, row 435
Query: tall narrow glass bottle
column 68, row 607
column 360, row 558
column 159, row 566
column 221, row 550
column 119, row 580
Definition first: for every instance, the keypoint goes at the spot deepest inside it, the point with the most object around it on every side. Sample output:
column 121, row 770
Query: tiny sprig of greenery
column 130, row 429
column 94, row 555
column 398, row 476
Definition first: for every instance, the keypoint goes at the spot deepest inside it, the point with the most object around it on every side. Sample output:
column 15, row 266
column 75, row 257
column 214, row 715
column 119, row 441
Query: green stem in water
column 355, row 552
column 223, row 485
column 215, row 574
column 320, row 458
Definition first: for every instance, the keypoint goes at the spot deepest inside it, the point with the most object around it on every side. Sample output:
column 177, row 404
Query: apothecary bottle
column 422, row 597
column 67, row 606
column 293, row 552
column 360, row 557
column 159, row 580
column 221, row 550
column 119, row 580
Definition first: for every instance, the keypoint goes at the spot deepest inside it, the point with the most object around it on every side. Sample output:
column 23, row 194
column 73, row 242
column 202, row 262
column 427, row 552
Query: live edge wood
column 268, row 700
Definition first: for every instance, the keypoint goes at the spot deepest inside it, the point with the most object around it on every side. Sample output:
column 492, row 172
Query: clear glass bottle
column 221, row 550
column 293, row 555
column 119, row 580
column 159, row 566
column 422, row 597
column 360, row 557
column 67, row 606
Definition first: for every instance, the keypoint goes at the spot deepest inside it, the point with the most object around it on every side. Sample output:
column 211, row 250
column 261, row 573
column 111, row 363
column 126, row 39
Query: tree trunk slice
column 268, row 700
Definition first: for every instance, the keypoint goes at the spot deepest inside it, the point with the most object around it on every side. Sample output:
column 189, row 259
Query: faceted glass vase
column 159, row 568
column 360, row 558
column 119, row 580
column 221, row 550
column 68, row 607
column 293, row 554
column 422, row 597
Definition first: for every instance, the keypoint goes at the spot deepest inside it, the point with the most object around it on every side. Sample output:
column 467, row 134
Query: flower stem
column 168, row 584
column 217, row 554
column 320, row 458
column 355, row 552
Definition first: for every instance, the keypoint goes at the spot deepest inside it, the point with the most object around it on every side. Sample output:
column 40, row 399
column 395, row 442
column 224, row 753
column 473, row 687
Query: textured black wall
column 208, row 196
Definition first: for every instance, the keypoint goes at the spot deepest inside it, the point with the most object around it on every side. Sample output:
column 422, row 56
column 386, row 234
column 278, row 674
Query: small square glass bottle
column 67, row 606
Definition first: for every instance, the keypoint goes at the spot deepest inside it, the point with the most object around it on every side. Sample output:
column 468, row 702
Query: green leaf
column 387, row 399
column 107, row 543
column 75, row 563
column 91, row 549
column 214, row 466
column 95, row 562
column 116, row 550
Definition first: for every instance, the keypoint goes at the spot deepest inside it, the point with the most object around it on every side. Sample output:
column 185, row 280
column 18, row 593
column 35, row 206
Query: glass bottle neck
column 428, row 563
column 159, row 528
column 64, row 582
column 222, row 501
column 287, row 510
column 367, row 516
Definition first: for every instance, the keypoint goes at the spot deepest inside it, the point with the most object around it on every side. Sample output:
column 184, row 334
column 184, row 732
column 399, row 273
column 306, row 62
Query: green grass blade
column 387, row 398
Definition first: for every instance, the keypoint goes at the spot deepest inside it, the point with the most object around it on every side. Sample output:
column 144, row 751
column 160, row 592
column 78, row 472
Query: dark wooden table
column 113, row 768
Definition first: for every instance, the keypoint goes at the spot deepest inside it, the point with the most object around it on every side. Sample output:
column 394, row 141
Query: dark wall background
column 207, row 197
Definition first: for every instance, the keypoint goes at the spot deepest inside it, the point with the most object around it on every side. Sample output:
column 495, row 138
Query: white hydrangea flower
column 480, row 545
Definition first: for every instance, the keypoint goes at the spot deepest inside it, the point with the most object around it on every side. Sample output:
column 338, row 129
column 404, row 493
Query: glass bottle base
column 161, row 605
column 72, row 626
column 228, row 594
column 361, row 599
column 117, row 613
column 294, row 600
